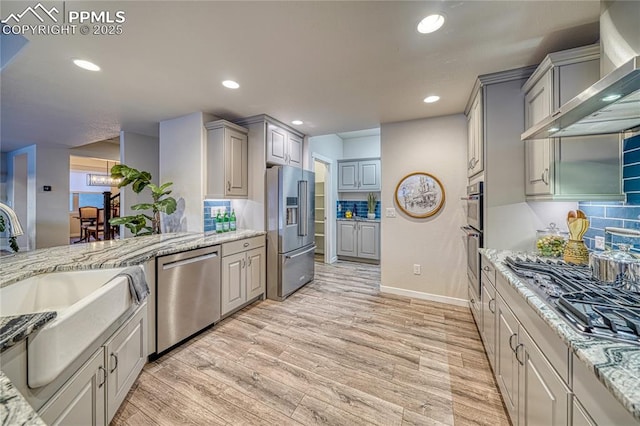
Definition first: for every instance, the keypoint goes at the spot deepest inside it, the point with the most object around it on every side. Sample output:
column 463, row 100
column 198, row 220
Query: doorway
column 323, row 213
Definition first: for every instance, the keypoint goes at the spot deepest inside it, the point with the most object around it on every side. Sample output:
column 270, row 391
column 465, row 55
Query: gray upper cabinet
column 475, row 148
column 227, row 160
column 576, row 167
column 283, row 147
column 359, row 175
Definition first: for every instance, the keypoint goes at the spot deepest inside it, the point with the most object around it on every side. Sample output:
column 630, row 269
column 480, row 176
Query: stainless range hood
column 610, row 105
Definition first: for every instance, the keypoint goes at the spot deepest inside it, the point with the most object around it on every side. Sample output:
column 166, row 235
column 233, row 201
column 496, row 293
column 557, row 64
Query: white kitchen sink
column 87, row 303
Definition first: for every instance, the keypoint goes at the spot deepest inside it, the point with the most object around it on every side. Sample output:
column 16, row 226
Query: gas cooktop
column 589, row 306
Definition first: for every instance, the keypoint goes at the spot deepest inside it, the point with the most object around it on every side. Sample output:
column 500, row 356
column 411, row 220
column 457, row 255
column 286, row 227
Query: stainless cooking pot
column 615, row 267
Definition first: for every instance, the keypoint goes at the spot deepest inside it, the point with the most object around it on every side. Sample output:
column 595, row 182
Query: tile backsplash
column 617, row 213
column 210, row 219
column 360, row 207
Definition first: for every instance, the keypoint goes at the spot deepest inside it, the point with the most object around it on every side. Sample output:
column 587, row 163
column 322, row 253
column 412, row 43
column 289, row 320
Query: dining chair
column 88, row 215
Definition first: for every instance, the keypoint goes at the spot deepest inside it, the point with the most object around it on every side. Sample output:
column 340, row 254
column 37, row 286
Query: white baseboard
column 424, row 296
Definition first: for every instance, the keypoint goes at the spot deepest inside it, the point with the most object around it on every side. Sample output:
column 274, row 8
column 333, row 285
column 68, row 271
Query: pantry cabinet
column 243, row 273
column 360, row 239
column 227, row 160
column 361, row 175
column 283, row 146
column 573, row 168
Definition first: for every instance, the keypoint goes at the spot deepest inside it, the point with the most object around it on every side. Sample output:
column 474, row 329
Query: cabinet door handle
column 486, row 268
column 228, row 185
column 104, row 376
column 545, row 180
column 473, row 301
column 115, row 357
column 516, row 352
column 473, row 162
column 511, row 341
column 243, row 263
column 250, row 261
column 489, row 306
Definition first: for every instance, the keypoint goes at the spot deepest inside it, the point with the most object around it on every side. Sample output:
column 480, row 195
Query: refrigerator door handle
column 300, row 254
column 302, row 208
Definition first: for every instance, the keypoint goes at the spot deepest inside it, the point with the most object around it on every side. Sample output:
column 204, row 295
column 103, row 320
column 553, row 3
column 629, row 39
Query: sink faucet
column 14, row 224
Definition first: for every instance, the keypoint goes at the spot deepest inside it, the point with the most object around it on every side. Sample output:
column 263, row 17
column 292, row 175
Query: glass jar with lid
column 550, row 241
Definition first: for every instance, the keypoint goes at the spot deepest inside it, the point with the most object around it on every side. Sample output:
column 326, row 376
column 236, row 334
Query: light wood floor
column 336, row 352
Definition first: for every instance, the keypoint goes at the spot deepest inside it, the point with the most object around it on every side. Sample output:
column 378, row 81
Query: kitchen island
column 97, row 255
column 615, row 365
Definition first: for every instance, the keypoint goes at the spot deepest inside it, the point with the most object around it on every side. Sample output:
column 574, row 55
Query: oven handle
column 470, row 231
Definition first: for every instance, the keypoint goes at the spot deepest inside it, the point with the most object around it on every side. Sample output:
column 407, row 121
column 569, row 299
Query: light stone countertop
column 14, row 410
column 615, row 364
column 358, row 219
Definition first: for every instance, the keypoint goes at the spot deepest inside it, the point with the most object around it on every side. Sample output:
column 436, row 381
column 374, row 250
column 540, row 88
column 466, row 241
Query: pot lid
column 623, row 255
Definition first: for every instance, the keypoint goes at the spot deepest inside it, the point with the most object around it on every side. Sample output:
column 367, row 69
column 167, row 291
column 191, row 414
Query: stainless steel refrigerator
column 290, row 230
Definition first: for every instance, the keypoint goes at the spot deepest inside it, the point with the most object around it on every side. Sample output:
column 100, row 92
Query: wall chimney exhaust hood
column 610, row 105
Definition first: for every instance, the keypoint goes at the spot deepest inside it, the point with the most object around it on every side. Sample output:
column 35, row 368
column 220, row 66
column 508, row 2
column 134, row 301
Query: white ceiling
column 338, row 66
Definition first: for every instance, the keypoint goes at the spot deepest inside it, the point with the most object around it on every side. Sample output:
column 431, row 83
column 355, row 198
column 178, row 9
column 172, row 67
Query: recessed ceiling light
column 230, row 84
column 431, row 99
column 297, row 122
column 611, row 98
column 430, row 24
column 89, row 66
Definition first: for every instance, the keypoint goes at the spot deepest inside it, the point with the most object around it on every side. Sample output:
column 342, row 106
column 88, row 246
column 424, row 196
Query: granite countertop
column 615, row 364
column 109, row 254
column 358, row 219
column 102, row 254
column 15, row 328
column 14, row 409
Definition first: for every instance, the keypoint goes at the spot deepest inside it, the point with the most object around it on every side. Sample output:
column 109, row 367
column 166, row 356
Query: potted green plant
column 371, row 205
column 139, row 180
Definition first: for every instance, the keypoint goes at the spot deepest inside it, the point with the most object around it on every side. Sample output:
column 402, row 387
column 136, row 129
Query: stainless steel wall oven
column 473, row 234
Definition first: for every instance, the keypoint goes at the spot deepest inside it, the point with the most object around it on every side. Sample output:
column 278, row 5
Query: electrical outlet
column 599, row 243
column 416, row 269
column 390, row 212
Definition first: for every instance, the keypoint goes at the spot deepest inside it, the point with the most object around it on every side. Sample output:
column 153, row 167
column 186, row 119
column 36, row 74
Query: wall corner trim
column 424, row 296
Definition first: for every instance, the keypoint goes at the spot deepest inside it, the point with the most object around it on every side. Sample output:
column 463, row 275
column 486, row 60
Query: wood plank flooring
column 335, row 353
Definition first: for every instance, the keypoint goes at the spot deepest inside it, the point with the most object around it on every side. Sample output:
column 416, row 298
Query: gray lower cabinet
column 543, row 397
column 506, row 369
column 533, row 392
column 94, row 393
column 359, row 239
column 579, row 415
column 243, row 273
column 125, row 355
column 488, row 328
column 81, row 401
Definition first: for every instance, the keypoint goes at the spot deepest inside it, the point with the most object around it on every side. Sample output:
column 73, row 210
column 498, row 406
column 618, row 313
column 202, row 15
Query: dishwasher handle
column 175, row 264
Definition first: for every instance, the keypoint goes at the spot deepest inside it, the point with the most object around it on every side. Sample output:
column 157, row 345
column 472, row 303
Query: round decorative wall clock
column 419, row 195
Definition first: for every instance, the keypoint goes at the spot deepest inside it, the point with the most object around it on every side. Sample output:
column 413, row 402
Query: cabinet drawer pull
column 115, row 357
column 511, row 341
column 516, row 352
column 486, row 268
column 545, row 176
column 489, row 306
column 246, row 244
column 104, row 376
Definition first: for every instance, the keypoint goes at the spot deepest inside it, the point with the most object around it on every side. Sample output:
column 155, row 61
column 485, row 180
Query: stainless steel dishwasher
column 187, row 295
